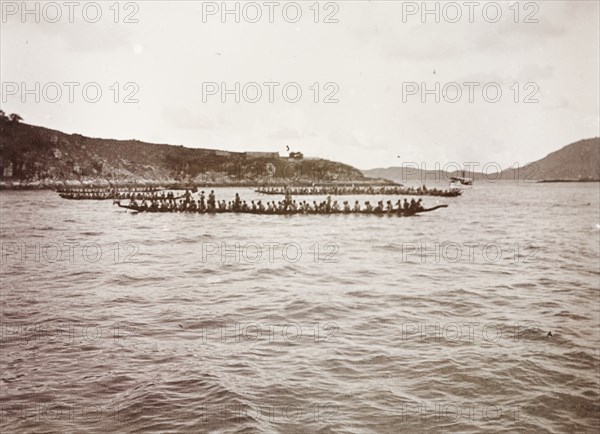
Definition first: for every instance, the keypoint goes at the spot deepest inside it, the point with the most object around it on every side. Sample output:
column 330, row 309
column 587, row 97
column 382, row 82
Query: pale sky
column 373, row 49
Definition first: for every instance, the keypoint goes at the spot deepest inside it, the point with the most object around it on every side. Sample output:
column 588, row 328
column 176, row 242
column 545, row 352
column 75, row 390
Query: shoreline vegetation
column 38, row 158
column 173, row 185
column 101, row 184
column 33, row 157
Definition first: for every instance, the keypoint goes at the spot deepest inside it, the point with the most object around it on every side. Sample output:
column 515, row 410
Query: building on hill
column 262, row 154
column 296, row 155
column 6, row 169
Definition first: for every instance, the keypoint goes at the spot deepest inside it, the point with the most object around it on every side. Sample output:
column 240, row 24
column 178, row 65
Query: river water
column 119, row 322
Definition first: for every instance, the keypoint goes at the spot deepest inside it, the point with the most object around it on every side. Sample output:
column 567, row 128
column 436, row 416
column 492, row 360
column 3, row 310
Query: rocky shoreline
column 173, row 184
column 34, row 157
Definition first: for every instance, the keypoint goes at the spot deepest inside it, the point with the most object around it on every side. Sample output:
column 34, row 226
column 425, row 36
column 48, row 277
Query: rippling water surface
column 243, row 323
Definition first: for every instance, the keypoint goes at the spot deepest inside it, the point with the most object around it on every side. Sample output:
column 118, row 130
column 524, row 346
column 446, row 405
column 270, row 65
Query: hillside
column 33, row 156
column 578, row 161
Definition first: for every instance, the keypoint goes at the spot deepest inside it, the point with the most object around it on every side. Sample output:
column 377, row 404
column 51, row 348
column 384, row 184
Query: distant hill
column 578, row 161
column 36, row 156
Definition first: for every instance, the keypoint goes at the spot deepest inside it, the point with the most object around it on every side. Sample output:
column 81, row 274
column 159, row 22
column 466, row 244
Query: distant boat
column 458, row 182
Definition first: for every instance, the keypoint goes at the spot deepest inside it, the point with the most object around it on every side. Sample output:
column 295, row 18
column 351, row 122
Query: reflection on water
column 113, row 321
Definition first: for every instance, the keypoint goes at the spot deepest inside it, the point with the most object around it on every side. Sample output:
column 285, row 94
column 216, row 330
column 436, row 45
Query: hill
column 578, row 161
column 33, row 156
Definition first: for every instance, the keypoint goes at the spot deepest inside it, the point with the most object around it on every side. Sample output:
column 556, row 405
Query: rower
column 357, row 206
column 211, row 200
column 288, row 199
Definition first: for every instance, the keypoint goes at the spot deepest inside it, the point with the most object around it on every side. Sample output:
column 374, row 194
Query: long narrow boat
column 403, row 213
column 362, row 192
column 75, row 196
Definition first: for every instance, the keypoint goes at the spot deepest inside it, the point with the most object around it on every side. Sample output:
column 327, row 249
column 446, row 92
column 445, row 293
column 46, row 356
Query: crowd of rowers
column 362, row 190
column 102, row 190
column 139, row 195
column 287, row 206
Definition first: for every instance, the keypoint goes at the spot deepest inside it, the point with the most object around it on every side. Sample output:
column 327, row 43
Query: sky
column 163, row 69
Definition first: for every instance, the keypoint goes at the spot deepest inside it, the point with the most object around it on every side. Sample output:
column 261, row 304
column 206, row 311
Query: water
column 360, row 328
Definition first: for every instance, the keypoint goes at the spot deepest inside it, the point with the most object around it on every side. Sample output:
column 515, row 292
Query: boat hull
column 403, row 213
